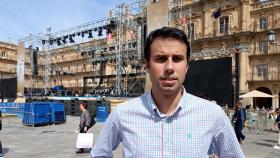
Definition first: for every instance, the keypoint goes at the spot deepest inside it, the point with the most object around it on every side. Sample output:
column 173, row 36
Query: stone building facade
column 218, row 25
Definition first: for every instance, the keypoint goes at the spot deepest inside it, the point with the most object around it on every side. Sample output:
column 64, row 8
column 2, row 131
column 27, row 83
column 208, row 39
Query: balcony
column 269, row 52
column 271, row 76
column 265, row 5
column 8, row 69
column 175, row 4
column 9, row 58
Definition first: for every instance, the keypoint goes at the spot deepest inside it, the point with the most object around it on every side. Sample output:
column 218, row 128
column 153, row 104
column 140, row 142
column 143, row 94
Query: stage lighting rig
column 100, row 31
column 58, row 41
column 90, row 34
column 108, row 30
column 112, row 24
column 71, row 38
column 64, row 39
column 83, row 34
column 43, row 42
column 83, row 53
column 51, row 41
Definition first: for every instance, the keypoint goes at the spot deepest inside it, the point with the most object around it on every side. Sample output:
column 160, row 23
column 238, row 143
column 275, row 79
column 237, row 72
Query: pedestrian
column 1, row 150
column 277, row 121
column 238, row 119
column 167, row 121
column 85, row 122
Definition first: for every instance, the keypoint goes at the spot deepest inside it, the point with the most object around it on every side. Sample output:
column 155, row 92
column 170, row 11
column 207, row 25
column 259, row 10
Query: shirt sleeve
column 108, row 139
column 87, row 118
column 224, row 138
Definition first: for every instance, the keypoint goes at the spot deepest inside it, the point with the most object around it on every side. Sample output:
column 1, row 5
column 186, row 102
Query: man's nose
column 169, row 65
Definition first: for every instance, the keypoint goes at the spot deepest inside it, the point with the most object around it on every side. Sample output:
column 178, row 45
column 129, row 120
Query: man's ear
column 147, row 65
column 187, row 68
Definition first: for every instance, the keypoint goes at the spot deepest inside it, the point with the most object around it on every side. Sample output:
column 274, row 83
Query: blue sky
column 19, row 18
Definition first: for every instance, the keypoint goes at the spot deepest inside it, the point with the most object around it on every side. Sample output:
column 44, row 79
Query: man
column 238, row 119
column 277, row 121
column 167, row 121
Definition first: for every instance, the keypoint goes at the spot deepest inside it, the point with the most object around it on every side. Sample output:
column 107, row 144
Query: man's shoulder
column 200, row 101
column 203, row 104
column 131, row 104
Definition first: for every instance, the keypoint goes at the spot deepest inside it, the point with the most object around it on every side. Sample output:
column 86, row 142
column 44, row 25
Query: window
column 3, row 54
column 263, row 23
column 263, row 0
column 262, row 70
column 263, row 46
column 224, row 24
column 191, row 31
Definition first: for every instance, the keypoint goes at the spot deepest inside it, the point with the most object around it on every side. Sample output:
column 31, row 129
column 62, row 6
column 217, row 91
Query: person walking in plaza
column 277, row 121
column 238, row 119
column 85, row 122
column 1, row 150
column 167, row 121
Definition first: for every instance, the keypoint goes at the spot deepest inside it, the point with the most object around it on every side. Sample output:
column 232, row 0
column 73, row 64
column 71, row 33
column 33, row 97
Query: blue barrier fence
column 36, row 113
column 101, row 113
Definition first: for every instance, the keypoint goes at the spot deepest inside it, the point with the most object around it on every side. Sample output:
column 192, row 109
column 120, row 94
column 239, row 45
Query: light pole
column 236, row 51
column 2, row 92
column 271, row 36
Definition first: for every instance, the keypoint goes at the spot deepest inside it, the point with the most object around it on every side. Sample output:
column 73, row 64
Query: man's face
column 81, row 107
column 238, row 105
column 167, row 66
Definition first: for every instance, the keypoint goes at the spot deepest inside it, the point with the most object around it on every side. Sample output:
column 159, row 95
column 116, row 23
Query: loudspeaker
column 8, row 88
column 35, row 62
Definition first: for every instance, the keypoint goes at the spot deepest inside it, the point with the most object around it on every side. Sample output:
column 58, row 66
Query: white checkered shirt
column 188, row 132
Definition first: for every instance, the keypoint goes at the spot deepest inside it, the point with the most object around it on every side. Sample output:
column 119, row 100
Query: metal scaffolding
column 127, row 20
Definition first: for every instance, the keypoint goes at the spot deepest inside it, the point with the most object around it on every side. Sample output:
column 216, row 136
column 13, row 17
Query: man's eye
column 161, row 59
column 177, row 59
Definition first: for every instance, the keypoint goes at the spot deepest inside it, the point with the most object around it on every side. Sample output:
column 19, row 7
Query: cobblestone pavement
column 58, row 141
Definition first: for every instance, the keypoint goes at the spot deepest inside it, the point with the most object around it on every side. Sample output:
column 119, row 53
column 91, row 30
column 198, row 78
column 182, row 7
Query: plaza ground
column 58, row 141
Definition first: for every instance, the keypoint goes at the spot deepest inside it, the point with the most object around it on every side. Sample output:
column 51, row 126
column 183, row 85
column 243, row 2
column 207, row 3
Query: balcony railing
column 267, row 4
column 8, row 69
column 273, row 50
column 271, row 76
column 10, row 57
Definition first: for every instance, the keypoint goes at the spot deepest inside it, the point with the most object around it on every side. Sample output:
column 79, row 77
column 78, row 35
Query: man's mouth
column 168, row 78
column 169, row 81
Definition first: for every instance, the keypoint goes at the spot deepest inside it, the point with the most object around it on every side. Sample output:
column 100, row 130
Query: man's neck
column 167, row 104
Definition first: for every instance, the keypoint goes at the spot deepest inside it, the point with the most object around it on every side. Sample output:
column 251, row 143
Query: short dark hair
column 166, row 32
column 85, row 105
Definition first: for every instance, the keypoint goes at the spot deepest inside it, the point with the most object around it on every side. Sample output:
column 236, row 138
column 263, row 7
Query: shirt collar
column 155, row 111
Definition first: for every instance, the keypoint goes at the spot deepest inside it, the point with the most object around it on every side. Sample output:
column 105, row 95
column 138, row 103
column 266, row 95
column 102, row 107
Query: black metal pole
column 2, row 92
column 236, row 75
column 1, row 150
